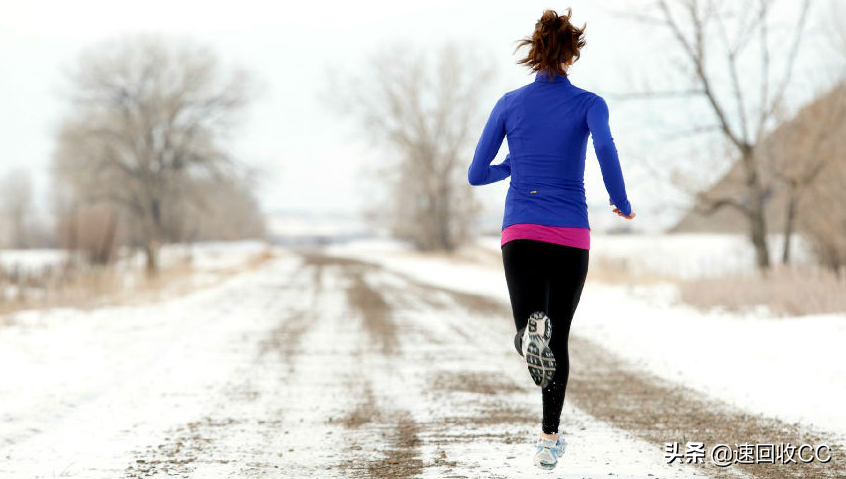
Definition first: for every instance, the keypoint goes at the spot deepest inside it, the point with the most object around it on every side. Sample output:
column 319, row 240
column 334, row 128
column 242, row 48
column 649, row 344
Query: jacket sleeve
column 481, row 172
column 606, row 153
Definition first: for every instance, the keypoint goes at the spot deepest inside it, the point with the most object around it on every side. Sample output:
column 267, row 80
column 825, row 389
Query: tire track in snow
column 604, row 386
column 285, row 338
column 476, row 414
column 451, row 405
column 393, row 428
column 451, row 410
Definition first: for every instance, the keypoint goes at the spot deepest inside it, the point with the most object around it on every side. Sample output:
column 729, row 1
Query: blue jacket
column 547, row 124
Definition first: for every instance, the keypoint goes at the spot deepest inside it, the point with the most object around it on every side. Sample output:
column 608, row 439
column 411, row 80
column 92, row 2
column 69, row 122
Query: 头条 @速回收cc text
column 727, row 454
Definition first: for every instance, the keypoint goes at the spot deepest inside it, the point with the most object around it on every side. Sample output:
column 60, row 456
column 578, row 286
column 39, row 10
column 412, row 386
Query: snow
column 106, row 380
column 87, row 392
column 793, row 369
column 109, row 381
column 209, row 254
column 393, row 380
column 213, row 254
column 30, row 259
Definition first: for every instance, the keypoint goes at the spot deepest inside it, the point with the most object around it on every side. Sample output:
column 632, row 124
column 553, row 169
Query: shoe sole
column 544, row 465
column 549, row 466
column 539, row 357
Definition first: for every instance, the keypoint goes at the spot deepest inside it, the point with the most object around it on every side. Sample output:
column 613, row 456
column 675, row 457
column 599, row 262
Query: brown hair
column 554, row 41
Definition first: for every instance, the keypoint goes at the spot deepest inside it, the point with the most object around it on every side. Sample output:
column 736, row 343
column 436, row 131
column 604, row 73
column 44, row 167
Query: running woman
column 545, row 230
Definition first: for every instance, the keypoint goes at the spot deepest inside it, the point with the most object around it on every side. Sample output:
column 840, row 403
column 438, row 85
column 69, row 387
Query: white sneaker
column 536, row 352
column 548, row 451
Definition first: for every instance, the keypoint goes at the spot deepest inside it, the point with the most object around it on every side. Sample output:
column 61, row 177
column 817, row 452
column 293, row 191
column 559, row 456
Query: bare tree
column 800, row 150
column 145, row 116
column 17, row 208
column 214, row 210
column 91, row 229
column 423, row 104
column 727, row 52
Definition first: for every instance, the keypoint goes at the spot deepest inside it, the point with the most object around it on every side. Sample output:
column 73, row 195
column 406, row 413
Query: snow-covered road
column 319, row 365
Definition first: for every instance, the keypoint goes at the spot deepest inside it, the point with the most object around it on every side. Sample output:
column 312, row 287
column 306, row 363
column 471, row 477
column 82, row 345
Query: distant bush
column 792, row 291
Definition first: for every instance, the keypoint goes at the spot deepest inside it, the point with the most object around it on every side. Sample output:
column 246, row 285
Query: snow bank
column 30, row 259
column 204, row 255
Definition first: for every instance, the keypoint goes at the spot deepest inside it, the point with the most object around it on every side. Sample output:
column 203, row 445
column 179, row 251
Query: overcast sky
column 310, row 159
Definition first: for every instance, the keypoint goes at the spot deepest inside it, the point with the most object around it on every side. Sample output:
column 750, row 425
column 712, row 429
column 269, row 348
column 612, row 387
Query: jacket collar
column 541, row 76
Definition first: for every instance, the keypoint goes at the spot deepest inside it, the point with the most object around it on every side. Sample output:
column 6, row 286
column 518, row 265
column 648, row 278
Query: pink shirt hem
column 575, row 237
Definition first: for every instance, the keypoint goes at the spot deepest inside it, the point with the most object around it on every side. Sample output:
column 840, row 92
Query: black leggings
column 547, row 277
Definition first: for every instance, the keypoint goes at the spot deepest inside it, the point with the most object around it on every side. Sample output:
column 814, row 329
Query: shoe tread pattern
column 539, row 357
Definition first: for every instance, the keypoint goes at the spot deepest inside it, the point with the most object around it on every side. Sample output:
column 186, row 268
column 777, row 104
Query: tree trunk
column 789, row 221
column 153, row 234
column 756, row 211
column 444, row 232
column 72, row 236
column 107, row 246
column 759, row 241
column 151, row 250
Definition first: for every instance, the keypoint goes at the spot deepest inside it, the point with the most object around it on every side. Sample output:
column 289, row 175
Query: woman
column 545, row 230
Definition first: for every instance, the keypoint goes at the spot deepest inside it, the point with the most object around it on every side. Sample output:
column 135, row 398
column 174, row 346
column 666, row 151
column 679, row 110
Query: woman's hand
column 620, row 213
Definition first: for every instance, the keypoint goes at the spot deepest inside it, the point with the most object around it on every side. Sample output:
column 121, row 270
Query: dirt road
column 317, row 366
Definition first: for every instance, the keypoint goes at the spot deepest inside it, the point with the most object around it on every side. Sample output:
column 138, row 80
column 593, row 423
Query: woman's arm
column 500, row 171
column 481, row 172
column 606, row 153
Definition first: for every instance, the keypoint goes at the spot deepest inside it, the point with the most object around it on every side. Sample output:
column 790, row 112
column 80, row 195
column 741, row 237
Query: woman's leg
column 523, row 261
column 567, row 271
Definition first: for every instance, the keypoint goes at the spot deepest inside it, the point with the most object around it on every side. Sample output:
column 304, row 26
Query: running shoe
column 547, row 452
column 518, row 340
column 536, row 351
